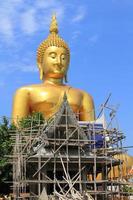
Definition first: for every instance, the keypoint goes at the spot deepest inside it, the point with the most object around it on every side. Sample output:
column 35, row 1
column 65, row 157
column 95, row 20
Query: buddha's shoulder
column 83, row 93
column 79, row 91
column 86, row 94
column 28, row 88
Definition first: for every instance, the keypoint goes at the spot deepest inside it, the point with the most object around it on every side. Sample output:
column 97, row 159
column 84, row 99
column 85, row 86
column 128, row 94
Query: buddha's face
column 55, row 62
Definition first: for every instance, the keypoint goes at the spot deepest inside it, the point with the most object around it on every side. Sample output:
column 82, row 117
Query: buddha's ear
column 41, row 71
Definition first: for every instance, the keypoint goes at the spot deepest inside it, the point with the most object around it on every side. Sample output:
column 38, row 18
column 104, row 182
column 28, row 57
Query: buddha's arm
column 87, row 112
column 20, row 105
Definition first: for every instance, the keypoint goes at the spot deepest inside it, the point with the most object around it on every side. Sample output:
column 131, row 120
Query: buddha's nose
column 58, row 60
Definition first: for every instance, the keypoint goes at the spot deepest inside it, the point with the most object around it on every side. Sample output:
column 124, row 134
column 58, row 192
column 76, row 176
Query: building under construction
column 68, row 159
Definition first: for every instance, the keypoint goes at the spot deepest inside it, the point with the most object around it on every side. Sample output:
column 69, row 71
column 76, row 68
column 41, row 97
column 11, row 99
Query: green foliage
column 34, row 120
column 128, row 189
column 5, row 149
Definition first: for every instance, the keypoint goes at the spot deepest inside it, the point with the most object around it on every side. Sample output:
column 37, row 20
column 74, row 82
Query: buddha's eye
column 53, row 55
column 63, row 57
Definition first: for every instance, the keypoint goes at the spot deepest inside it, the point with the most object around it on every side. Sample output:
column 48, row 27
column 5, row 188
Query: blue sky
column 100, row 36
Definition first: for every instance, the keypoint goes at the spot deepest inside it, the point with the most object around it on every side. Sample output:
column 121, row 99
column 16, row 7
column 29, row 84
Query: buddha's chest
column 49, row 101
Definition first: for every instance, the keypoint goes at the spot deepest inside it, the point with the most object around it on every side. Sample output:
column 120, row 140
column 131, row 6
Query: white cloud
column 20, row 16
column 80, row 15
column 28, row 68
column 6, row 28
column 16, row 66
column 28, row 21
column 26, row 18
column 6, row 23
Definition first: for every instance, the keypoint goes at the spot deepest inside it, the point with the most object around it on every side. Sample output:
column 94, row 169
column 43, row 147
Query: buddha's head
column 53, row 55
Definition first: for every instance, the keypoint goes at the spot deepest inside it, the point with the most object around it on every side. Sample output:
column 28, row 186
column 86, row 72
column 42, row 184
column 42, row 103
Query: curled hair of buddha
column 52, row 40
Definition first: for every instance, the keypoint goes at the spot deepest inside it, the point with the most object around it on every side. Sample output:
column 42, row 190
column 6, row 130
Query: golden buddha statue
column 53, row 58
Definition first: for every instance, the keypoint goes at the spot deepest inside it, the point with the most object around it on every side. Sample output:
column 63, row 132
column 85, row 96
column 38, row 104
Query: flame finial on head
column 54, row 25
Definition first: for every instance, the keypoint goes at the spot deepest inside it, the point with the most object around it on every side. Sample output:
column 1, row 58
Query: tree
column 6, row 147
column 36, row 119
column 128, row 189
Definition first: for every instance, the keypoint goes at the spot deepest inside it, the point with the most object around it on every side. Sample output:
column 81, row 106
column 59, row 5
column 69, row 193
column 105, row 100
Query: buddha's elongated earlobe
column 41, row 72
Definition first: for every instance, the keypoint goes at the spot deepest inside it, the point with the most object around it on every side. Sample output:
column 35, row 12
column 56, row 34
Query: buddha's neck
column 54, row 81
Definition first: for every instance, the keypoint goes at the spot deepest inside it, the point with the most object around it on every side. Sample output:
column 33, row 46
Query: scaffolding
column 68, row 159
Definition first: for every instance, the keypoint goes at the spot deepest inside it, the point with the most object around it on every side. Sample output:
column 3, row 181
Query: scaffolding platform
column 67, row 159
